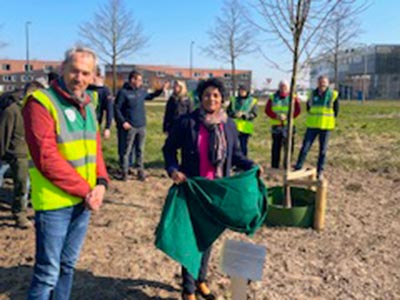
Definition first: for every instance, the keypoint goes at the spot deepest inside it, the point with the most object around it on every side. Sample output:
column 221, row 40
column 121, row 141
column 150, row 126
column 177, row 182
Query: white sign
column 245, row 260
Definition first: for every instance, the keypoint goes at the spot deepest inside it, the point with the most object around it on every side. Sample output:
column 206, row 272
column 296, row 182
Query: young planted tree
column 297, row 24
column 114, row 33
column 231, row 37
column 343, row 30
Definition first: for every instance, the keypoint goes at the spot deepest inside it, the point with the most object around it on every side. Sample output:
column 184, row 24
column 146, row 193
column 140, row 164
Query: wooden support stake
column 320, row 205
column 303, row 183
column 239, row 288
column 313, row 178
column 300, row 174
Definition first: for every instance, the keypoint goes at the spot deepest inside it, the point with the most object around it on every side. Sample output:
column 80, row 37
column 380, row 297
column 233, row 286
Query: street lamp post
column 191, row 59
column 27, row 69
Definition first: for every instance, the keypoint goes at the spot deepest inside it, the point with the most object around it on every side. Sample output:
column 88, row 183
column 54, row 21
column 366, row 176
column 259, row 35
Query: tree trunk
column 233, row 77
column 288, row 153
column 114, row 76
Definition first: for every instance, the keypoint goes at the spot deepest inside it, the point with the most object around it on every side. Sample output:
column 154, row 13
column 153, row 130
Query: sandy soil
column 356, row 257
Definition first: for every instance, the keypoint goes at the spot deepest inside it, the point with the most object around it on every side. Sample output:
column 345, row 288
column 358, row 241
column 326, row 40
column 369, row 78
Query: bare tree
column 114, row 34
column 231, row 37
column 342, row 32
column 297, row 25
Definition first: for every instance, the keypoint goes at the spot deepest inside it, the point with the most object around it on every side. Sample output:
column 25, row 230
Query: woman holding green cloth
column 209, row 146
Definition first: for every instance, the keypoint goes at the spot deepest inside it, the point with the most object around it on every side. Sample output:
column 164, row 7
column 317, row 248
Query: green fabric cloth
column 197, row 212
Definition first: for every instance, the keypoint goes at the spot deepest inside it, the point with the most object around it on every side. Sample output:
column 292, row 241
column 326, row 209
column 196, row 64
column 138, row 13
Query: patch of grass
column 367, row 137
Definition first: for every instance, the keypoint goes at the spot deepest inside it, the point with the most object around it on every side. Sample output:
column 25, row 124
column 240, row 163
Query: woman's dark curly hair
column 214, row 82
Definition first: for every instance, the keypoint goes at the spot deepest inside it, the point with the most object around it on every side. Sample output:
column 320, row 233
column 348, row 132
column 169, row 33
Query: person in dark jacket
column 209, row 146
column 243, row 109
column 105, row 102
column 13, row 151
column 130, row 115
column 178, row 104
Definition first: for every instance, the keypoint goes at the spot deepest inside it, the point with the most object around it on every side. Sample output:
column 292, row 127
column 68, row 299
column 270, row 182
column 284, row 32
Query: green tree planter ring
column 301, row 214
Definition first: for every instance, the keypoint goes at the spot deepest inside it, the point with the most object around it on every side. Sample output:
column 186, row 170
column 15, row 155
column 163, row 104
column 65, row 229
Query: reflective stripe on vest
column 321, row 114
column 279, row 106
column 244, row 126
column 76, row 143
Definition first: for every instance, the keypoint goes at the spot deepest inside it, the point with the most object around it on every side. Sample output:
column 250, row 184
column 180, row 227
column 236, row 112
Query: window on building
column 48, row 68
column 6, row 67
column 10, row 88
column 13, row 78
column 227, row 75
column 178, row 74
column 160, row 74
column 6, row 78
column 28, row 67
column 245, row 76
column 210, row 75
column 197, row 74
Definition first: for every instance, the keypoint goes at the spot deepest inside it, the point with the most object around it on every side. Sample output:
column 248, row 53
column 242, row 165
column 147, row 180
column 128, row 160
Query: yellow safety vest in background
column 321, row 114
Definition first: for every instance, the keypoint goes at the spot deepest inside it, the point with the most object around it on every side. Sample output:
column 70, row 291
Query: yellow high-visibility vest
column 76, row 143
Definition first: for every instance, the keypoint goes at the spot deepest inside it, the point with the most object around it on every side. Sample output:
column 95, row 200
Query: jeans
column 121, row 135
column 244, row 140
column 3, row 170
column 135, row 138
column 19, row 172
column 279, row 140
column 309, row 138
column 189, row 284
column 59, row 239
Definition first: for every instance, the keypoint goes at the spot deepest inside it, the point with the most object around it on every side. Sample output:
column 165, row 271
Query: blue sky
column 171, row 25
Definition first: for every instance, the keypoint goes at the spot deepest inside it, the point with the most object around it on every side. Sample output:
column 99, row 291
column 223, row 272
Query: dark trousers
column 244, row 140
column 189, row 284
column 122, row 144
column 279, row 140
column 309, row 138
column 135, row 139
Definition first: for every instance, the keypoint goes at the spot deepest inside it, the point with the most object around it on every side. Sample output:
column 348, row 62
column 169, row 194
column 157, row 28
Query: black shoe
column 124, row 177
column 141, row 176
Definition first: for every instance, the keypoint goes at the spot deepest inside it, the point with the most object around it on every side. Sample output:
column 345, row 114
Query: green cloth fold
column 198, row 211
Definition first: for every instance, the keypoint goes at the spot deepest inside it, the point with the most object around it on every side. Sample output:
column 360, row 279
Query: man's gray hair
column 283, row 82
column 69, row 54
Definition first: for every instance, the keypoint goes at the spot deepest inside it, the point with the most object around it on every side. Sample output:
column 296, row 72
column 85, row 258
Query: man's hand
column 282, row 117
column 107, row 134
column 178, row 177
column 126, row 125
column 238, row 115
column 95, row 198
column 165, row 85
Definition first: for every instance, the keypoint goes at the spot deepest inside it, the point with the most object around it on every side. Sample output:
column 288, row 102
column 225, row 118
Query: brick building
column 156, row 73
column 14, row 73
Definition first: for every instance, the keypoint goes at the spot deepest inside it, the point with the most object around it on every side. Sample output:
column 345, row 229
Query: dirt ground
column 356, row 257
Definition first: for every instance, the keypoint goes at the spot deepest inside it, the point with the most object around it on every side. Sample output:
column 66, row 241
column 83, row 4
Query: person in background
column 105, row 102
column 52, row 76
column 68, row 173
column 277, row 109
column 178, row 104
column 209, row 146
column 130, row 115
column 243, row 109
column 322, row 111
column 14, row 155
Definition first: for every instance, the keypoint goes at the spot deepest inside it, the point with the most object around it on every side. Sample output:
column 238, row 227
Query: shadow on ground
column 14, row 283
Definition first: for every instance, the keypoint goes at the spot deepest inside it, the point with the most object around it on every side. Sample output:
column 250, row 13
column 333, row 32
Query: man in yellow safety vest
column 67, row 170
column 322, row 108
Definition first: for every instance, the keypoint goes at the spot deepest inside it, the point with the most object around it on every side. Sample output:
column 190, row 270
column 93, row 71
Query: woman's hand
column 178, row 177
